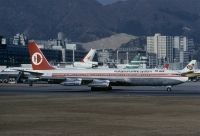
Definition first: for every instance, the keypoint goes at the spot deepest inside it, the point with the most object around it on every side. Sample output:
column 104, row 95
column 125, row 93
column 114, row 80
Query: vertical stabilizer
column 38, row 60
column 190, row 67
column 166, row 66
column 89, row 57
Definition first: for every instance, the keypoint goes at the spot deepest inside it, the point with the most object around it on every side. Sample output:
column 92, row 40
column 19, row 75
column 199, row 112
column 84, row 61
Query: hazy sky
column 108, row 1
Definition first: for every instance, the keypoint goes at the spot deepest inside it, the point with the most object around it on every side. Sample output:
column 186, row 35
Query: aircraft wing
column 192, row 74
column 34, row 73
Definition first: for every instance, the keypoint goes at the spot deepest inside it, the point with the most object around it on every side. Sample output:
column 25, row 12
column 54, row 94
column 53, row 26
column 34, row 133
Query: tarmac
column 49, row 109
column 188, row 88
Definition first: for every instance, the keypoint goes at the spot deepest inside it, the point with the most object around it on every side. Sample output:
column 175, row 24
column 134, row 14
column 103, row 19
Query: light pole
column 73, row 55
column 127, row 56
column 117, row 56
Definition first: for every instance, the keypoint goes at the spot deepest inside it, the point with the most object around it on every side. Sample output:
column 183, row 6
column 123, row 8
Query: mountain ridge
column 88, row 20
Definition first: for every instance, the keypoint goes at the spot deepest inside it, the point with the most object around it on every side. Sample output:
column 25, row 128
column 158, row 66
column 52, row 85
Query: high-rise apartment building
column 169, row 49
column 162, row 47
column 183, row 47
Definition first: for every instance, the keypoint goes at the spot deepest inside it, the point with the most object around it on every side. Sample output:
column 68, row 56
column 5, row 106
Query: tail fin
column 190, row 67
column 166, row 66
column 89, row 56
column 38, row 60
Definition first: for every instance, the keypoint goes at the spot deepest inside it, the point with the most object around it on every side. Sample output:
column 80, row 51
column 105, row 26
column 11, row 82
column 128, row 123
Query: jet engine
column 72, row 82
column 100, row 85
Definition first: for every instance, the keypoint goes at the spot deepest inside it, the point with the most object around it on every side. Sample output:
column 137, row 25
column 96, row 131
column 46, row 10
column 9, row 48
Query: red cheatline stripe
column 114, row 74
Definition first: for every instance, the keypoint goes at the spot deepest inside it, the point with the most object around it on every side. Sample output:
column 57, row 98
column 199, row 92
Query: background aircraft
column 87, row 61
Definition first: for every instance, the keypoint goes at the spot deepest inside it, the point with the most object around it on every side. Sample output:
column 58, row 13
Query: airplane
column 87, row 62
column 194, row 74
column 102, row 78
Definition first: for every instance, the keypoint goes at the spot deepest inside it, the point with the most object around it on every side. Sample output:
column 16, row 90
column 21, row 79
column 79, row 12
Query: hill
column 146, row 17
column 80, row 20
column 112, row 42
column 88, row 20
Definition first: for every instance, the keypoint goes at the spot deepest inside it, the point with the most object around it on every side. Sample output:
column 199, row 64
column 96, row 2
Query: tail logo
column 37, row 58
column 190, row 67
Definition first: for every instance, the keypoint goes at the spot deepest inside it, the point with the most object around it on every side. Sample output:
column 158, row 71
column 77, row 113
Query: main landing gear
column 169, row 88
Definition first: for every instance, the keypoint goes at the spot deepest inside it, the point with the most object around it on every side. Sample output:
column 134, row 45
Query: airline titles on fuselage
column 138, row 71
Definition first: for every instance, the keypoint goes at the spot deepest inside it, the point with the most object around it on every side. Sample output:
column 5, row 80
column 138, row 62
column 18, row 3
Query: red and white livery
column 104, row 76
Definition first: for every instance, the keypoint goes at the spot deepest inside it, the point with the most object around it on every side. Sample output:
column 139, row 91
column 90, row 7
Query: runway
column 44, row 110
column 189, row 88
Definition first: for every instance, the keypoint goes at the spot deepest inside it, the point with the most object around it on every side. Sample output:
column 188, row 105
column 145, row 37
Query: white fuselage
column 85, row 64
column 143, row 77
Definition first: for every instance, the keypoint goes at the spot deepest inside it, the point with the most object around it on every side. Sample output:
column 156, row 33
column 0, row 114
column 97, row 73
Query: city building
column 69, row 52
column 162, row 46
column 12, row 55
column 152, row 60
column 125, row 55
column 15, row 53
column 20, row 39
column 105, row 56
column 183, row 48
column 118, row 56
column 169, row 49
